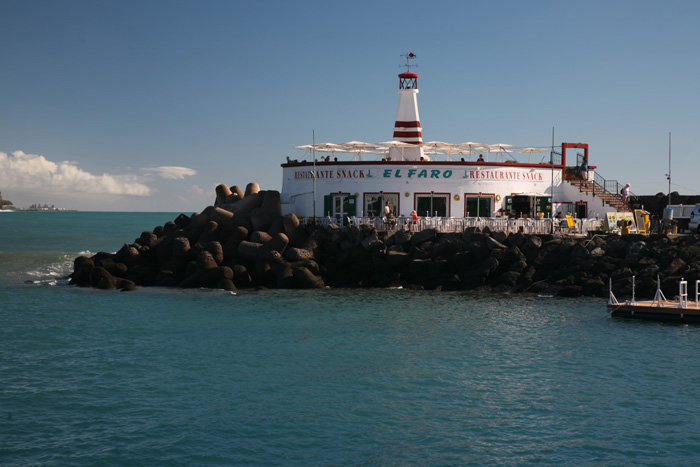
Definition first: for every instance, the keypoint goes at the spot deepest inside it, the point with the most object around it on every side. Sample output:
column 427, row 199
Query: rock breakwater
column 243, row 241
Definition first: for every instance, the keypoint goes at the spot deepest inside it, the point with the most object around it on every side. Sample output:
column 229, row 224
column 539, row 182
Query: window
column 433, row 205
column 375, row 202
column 479, row 206
column 339, row 205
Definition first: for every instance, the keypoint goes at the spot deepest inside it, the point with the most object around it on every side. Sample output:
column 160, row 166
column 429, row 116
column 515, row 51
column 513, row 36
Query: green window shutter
column 327, row 206
column 544, row 205
column 352, row 205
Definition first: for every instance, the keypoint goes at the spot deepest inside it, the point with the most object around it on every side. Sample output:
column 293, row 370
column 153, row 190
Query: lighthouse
column 407, row 128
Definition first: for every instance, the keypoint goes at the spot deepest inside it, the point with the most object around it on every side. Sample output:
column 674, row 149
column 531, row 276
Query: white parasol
column 498, row 148
column 531, row 150
column 438, row 145
column 470, row 145
column 396, row 144
column 359, row 147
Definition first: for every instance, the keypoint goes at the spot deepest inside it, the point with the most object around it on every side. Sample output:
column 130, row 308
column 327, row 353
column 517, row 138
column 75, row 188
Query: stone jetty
column 243, row 241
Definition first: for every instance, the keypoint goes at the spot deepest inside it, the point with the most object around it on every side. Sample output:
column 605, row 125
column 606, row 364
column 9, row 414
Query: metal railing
column 459, row 224
column 611, row 186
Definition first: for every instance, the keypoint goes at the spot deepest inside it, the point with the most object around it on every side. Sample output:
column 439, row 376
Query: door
column 339, row 206
column 522, row 205
column 581, row 210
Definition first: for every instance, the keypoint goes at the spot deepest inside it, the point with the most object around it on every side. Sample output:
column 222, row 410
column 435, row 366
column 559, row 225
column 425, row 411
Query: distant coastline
column 7, row 205
column 44, row 207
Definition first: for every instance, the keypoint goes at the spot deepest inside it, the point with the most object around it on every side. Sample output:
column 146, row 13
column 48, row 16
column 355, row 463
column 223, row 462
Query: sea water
column 324, row 377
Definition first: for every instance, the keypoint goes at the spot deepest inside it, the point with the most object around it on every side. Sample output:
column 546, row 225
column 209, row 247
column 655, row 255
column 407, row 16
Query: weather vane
column 409, row 56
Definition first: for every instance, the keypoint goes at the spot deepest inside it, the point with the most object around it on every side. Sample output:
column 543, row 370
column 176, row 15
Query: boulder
column 239, row 234
column 397, row 259
column 125, row 285
column 237, row 192
column 278, row 243
column 306, row 280
column 205, row 260
column 252, row 250
column 509, row 278
column 216, row 251
column 260, row 237
column 241, row 276
column 284, row 277
column 298, row 254
column 100, row 278
column 209, row 233
column 251, row 188
column 262, row 219
column 208, row 278
column 271, row 203
column 222, row 194
column 423, row 236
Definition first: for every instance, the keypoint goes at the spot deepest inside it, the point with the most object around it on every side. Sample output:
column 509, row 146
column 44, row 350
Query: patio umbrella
column 359, row 147
column 462, row 152
column 470, row 145
column 531, row 150
column 501, row 146
column 438, row 145
column 498, row 148
column 396, row 144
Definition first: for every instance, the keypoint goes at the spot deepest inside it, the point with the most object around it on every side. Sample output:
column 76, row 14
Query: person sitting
column 414, row 219
column 391, row 221
column 481, row 158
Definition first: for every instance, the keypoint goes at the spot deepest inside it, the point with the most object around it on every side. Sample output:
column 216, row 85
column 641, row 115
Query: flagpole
column 551, row 189
column 313, row 154
column 669, row 167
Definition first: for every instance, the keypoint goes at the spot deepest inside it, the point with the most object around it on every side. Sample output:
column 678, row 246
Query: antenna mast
column 668, row 175
column 409, row 56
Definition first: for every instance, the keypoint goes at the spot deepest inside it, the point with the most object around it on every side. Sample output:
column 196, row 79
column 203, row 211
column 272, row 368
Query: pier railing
column 459, row 224
column 596, row 184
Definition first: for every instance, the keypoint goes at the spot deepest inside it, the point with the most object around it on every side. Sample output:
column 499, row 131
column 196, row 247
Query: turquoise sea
column 324, row 377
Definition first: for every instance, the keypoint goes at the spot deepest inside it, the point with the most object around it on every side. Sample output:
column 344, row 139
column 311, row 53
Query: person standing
column 626, row 193
column 388, row 209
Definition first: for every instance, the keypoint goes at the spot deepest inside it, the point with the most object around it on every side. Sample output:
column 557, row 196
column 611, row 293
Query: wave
column 37, row 267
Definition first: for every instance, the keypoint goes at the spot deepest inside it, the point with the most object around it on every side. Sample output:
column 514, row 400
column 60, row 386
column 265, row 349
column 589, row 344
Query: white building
column 440, row 179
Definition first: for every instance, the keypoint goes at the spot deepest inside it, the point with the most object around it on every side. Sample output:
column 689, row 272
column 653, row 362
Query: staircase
column 588, row 186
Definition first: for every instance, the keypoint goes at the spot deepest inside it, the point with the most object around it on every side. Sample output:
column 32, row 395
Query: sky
column 148, row 105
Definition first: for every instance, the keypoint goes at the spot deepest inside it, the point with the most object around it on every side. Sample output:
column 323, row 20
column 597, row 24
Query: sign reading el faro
column 439, row 174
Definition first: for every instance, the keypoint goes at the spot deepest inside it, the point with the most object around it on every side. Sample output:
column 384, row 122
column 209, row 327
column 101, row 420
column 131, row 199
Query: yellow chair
column 570, row 222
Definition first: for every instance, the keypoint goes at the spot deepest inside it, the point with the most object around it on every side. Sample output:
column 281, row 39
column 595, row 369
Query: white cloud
column 172, row 173
column 20, row 171
column 196, row 190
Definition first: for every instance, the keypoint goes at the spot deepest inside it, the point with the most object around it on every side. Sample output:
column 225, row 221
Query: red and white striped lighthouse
column 407, row 128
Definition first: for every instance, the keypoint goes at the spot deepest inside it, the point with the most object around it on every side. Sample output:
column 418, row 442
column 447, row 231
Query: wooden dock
column 659, row 309
column 655, row 311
